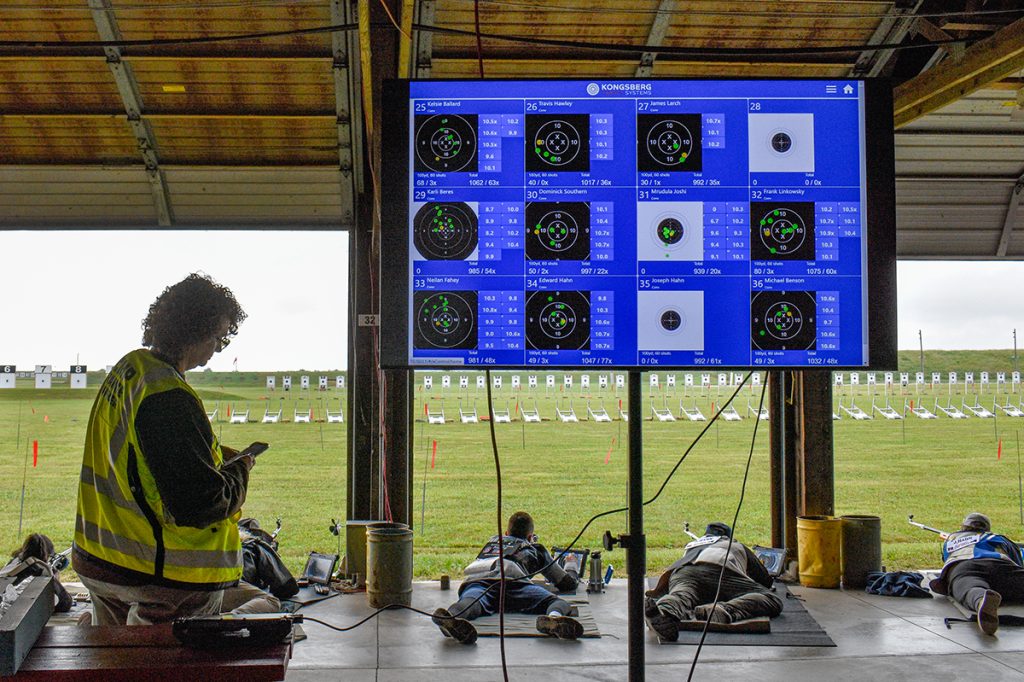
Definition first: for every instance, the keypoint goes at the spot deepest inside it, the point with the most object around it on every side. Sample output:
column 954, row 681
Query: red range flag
column 999, row 449
column 608, row 455
column 425, row 413
column 35, row 453
column 433, row 455
column 46, row 419
column 517, row 407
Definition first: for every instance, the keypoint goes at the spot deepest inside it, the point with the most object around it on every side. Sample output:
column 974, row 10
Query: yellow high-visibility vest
column 121, row 518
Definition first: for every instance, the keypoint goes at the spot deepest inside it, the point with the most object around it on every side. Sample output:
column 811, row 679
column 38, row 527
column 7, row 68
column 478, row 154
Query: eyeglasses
column 222, row 343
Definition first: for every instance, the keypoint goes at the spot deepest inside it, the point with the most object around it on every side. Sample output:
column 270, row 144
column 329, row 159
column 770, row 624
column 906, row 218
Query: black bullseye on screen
column 782, row 230
column 558, row 143
column 669, row 143
column 558, row 320
column 446, row 144
column 557, row 230
column 783, row 320
column 445, row 231
column 445, row 319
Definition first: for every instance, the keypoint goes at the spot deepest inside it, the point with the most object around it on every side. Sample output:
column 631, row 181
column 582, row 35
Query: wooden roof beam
column 345, row 69
column 1011, row 218
column 655, row 37
column 128, row 87
column 985, row 62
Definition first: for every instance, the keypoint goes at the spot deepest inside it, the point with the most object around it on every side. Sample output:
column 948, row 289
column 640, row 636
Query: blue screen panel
column 637, row 223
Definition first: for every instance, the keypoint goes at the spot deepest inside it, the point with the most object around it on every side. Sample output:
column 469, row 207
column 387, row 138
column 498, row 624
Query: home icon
column 848, row 89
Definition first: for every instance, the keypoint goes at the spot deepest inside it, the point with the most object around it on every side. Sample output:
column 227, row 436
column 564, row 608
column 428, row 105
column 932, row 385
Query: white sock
column 555, row 613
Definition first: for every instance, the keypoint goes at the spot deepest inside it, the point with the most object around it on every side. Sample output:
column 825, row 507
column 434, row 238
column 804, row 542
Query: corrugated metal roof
column 247, row 132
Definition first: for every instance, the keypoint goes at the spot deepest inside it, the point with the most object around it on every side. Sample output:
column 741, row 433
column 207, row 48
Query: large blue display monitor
column 659, row 223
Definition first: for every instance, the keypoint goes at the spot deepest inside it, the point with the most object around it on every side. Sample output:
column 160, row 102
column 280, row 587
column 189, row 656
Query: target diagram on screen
column 669, row 142
column 558, row 320
column 446, row 143
column 783, row 320
column 445, row 231
column 445, row 319
column 558, row 142
column 670, row 230
column 558, row 230
column 782, row 231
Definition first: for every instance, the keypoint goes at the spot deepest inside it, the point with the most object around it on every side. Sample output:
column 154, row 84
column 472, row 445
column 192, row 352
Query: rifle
column 941, row 534
column 58, row 562
column 686, row 529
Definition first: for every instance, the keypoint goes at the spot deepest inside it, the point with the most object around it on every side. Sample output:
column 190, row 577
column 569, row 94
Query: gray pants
column 147, row 604
column 693, row 585
column 969, row 580
column 247, row 598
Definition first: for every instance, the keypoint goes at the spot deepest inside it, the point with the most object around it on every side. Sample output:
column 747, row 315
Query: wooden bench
column 114, row 653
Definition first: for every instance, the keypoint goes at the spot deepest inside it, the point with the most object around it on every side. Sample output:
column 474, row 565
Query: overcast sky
column 69, row 295
column 80, row 296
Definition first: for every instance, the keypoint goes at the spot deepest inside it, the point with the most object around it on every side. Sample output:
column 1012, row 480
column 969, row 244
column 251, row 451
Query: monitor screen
column 658, row 223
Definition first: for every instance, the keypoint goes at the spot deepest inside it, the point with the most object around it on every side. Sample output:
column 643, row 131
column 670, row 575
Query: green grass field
column 562, row 473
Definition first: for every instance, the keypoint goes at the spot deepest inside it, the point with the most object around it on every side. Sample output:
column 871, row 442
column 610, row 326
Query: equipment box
column 23, row 620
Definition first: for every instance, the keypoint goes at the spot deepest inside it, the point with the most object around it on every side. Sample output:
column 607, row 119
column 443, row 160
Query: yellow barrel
column 388, row 564
column 819, row 539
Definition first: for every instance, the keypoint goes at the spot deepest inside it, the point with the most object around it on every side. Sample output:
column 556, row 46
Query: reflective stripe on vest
column 126, row 525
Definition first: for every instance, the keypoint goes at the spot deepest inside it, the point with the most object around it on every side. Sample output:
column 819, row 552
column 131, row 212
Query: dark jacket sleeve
column 565, row 582
column 176, row 443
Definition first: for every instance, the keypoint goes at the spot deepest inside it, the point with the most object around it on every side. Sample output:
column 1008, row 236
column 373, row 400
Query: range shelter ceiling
column 173, row 113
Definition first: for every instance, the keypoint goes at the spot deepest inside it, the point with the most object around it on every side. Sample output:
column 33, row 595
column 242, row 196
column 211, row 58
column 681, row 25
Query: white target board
column 1000, row 378
column 8, row 376
column 1015, row 378
column 44, row 376
column 688, row 380
column 322, row 383
column 339, row 381
column 620, row 381
column 872, row 379
column 984, row 378
column 271, row 383
column 286, row 383
column 888, row 378
column 304, row 382
column 737, row 379
column 446, row 381
column 428, row 382
column 585, row 381
column 705, row 380
column 653, row 380
column 756, row 379
column 723, row 380
column 79, row 377
column 516, row 381
column 968, row 378
column 837, row 379
column 670, row 381
column 567, row 381
column 919, row 378
column 481, row 381
column 602, row 381
column 936, row 378
column 531, row 381
column 904, row 378
column 952, row 378
column 463, row 382
column 549, row 381
column 497, row 381
column 855, row 378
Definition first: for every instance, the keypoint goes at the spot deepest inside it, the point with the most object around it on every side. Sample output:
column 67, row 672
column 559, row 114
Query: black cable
column 371, row 616
column 501, row 538
column 732, row 535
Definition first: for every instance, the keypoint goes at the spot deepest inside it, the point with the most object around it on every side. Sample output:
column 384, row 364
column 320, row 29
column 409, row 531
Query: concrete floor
column 877, row 638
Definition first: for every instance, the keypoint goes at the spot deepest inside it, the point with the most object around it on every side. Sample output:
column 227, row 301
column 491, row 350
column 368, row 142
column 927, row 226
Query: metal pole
column 636, row 555
column 1015, row 350
column 920, row 341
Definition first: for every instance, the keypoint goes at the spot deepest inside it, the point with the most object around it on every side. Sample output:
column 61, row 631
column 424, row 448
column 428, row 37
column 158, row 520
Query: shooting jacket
column 711, row 549
column 124, row 528
column 522, row 558
column 968, row 545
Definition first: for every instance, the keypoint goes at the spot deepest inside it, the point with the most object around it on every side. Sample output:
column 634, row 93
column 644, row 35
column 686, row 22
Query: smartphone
column 254, row 449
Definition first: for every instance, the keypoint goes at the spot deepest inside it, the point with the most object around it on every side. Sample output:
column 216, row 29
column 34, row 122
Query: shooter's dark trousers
column 475, row 600
column 693, row 585
column 969, row 579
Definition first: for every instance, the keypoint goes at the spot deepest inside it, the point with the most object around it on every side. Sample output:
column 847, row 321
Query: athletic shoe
column 988, row 612
column 562, row 627
column 651, row 607
column 458, row 629
column 719, row 615
column 665, row 625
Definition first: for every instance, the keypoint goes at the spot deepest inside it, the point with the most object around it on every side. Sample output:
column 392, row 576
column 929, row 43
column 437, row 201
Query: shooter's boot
column 988, row 612
column 458, row 629
column 562, row 627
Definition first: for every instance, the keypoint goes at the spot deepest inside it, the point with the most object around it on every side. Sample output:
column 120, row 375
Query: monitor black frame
column 880, row 222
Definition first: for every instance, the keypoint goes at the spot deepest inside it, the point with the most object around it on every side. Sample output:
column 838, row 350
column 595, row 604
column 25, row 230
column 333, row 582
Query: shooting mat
column 525, row 625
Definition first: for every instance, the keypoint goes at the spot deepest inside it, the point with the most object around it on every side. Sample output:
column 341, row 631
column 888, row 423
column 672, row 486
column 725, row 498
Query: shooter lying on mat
column 479, row 594
column 686, row 591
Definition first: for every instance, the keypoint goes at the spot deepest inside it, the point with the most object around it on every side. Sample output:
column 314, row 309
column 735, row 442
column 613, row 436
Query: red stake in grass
column 999, row 449
column 35, row 453
column 608, row 455
column 433, row 455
